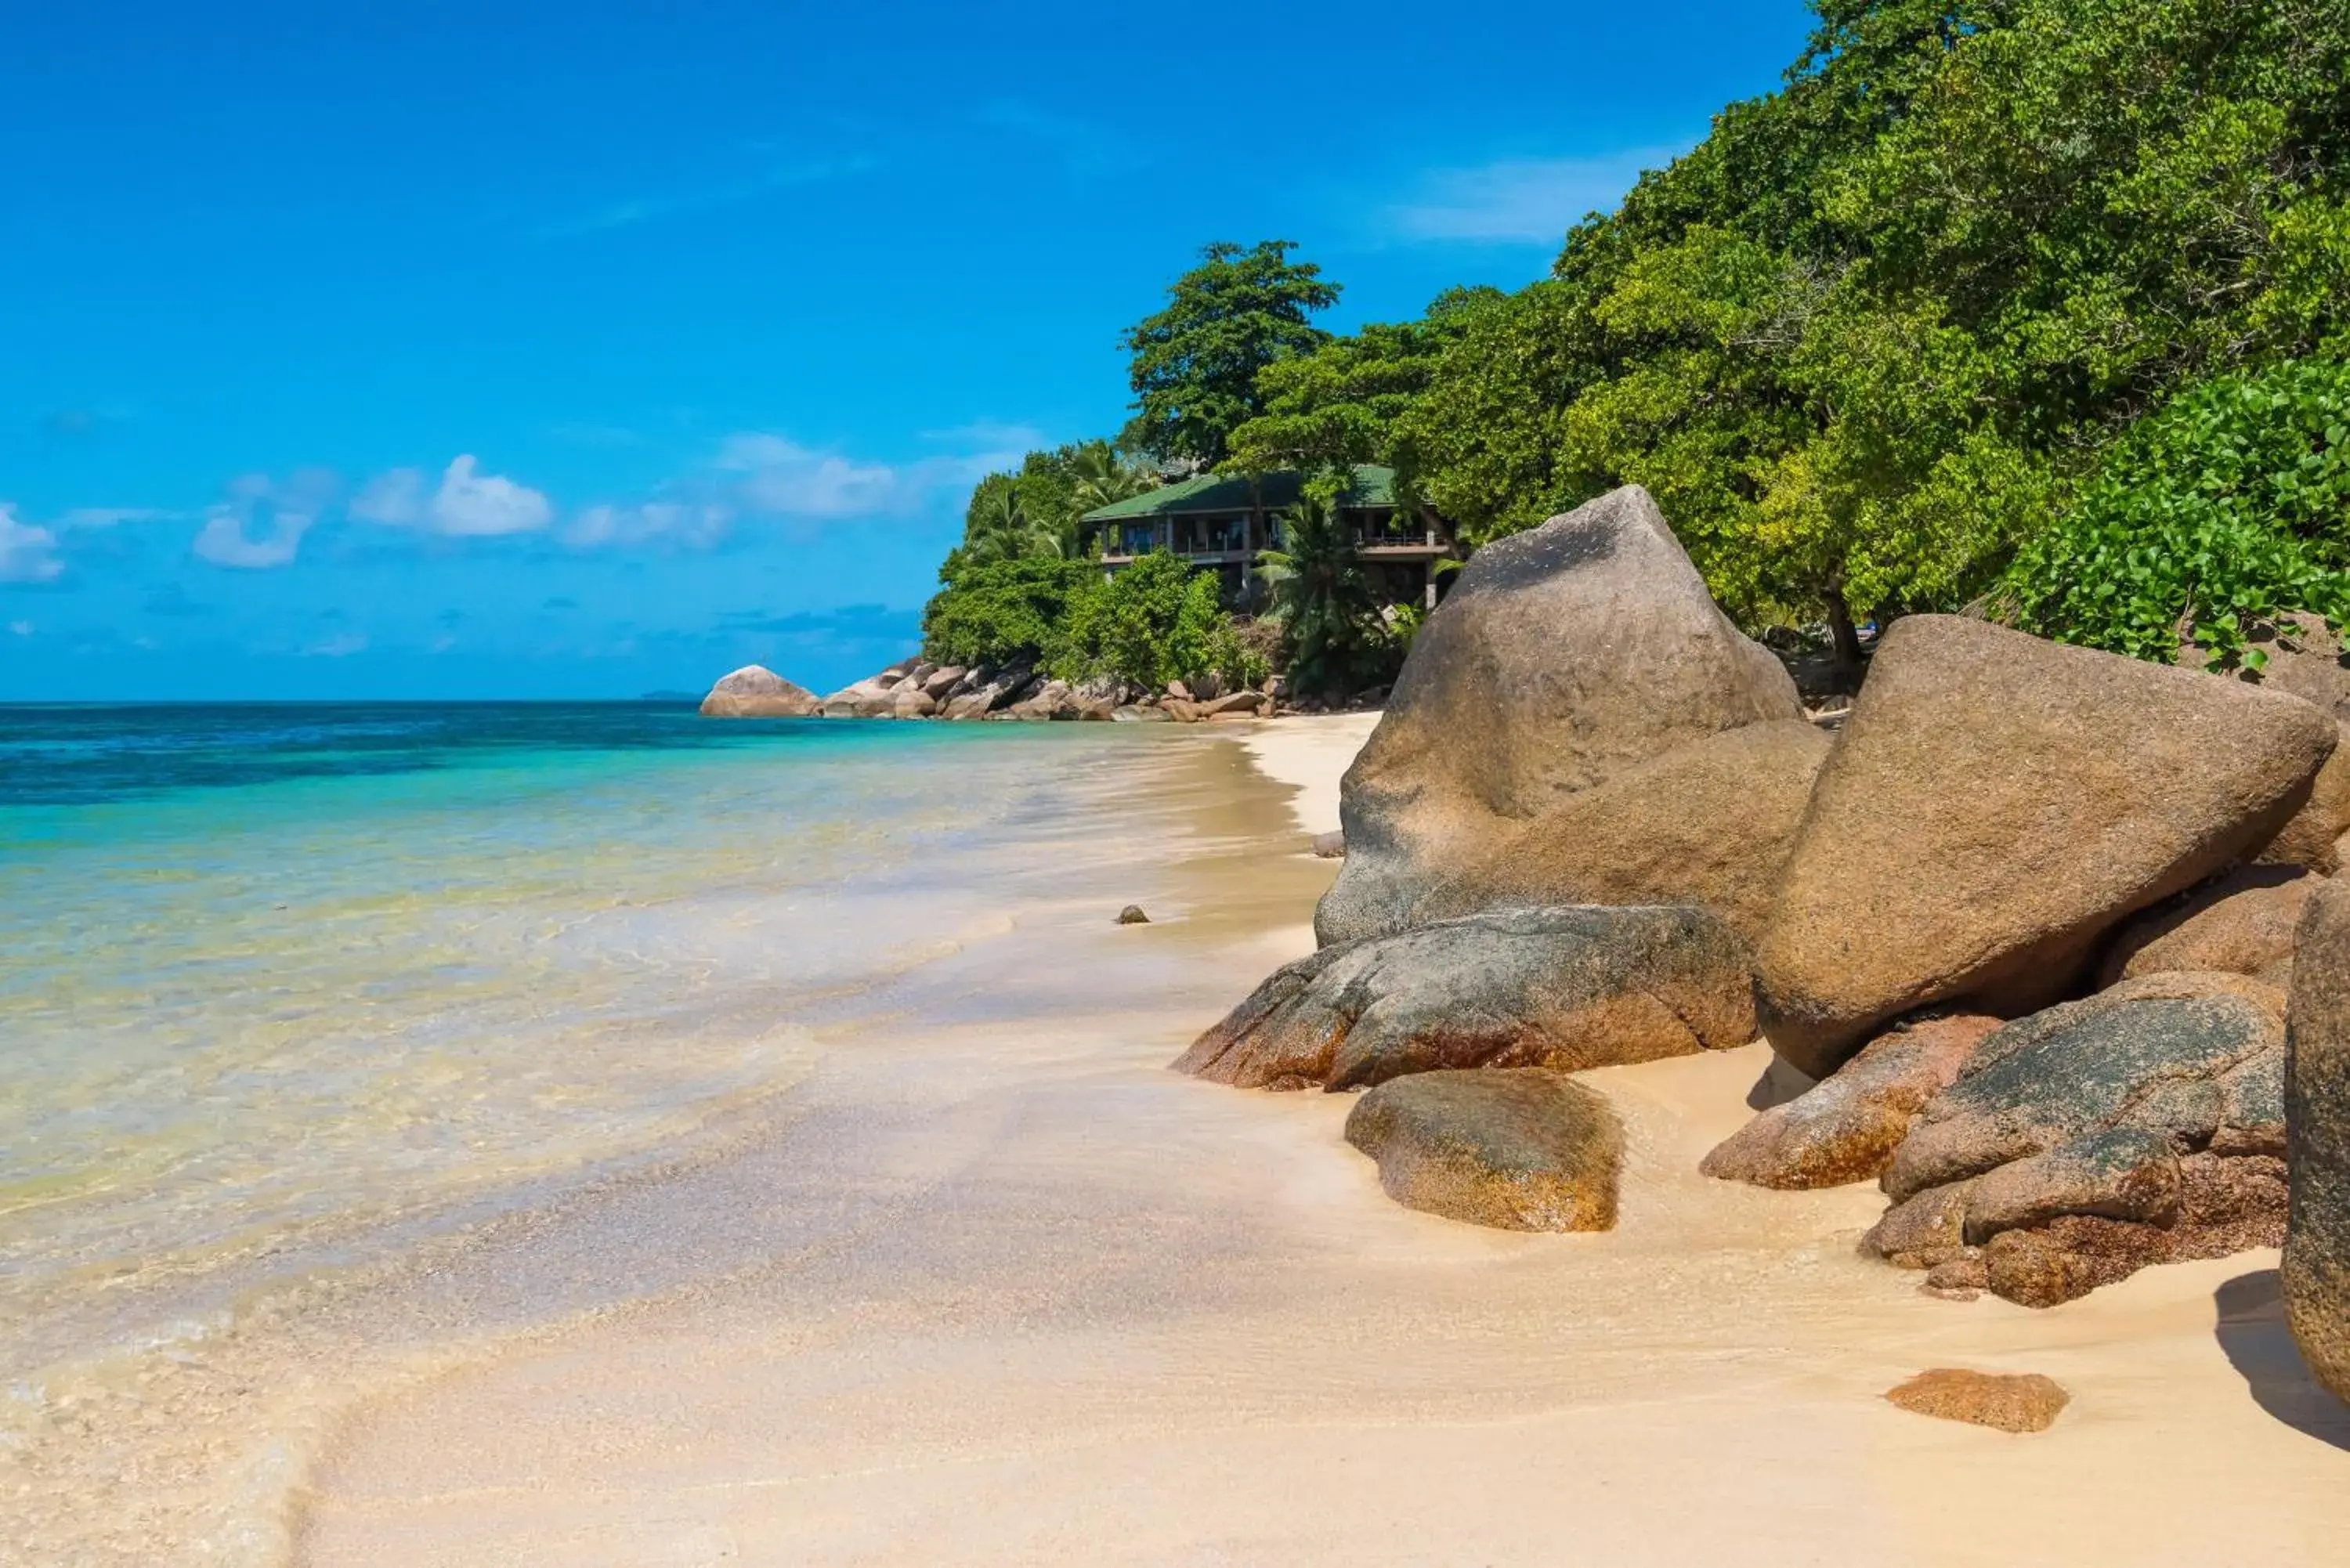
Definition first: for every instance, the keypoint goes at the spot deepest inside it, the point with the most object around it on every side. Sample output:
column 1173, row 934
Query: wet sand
column 1019, row 1294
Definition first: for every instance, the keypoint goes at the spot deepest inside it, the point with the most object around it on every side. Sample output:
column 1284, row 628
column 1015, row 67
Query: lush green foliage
column 1196, row 361
column 1156, row 621
column 996, row 612
column 1873, row 332
column 998, row 526
column 1337, row 407
column 1033, row 510
column 1331, row 632
column 2231, row 506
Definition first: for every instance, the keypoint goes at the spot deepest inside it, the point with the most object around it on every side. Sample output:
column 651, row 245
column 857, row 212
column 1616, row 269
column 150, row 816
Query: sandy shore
column 1033, row 1299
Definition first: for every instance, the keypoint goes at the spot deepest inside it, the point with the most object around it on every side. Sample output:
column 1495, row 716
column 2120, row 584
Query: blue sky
column 498, row 349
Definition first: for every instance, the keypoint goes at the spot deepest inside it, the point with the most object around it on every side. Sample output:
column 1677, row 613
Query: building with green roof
column 1221, row 522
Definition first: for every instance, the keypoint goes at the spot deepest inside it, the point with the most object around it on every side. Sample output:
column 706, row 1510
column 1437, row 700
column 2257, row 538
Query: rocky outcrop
column 2077, row 1146
column 984, row 691
column 1565, row 988
column 2007, row 1402
column 1845, row 1130
column 755, row 691
column 1528, row 1149
column 2241, row 922
column 2316, row 1269
column 1994, row 805
column 1563, row 658
column 1048, row 699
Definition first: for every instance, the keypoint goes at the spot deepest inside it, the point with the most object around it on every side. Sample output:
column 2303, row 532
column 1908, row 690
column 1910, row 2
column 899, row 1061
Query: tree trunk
column 1848, row 643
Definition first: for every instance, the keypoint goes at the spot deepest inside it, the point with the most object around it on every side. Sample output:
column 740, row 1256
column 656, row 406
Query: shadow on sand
column 2253, row 1334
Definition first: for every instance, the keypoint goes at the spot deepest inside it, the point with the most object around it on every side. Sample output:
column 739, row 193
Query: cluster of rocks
column 922, row 689
column 2031, row 920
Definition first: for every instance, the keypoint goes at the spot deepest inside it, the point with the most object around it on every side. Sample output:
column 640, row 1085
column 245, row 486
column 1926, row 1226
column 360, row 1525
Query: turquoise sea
column 278, row 977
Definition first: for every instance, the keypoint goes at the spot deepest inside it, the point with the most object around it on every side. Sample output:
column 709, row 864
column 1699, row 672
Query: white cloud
column 1521, row 201
column 465, row 503
column 780, row 476
column 21, row 628
column 776, row 476
column 692, row 525
column 28, row 554
column 285, row 512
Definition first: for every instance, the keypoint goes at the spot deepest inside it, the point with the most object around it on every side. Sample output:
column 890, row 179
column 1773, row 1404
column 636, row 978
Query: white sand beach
column 1041, row 1301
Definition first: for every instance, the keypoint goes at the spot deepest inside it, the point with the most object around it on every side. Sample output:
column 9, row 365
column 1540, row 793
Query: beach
column 1045, row 1301
column 976, row 1279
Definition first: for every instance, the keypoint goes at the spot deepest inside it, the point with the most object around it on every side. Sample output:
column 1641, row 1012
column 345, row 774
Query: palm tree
column 1000, row 528
column 1322, row 597
column 1104, row 477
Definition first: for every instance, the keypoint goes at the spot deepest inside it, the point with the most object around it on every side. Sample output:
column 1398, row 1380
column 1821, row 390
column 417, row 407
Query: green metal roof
column 1373, row 486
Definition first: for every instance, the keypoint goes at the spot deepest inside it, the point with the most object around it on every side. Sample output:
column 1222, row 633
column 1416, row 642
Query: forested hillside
column 2034, row 304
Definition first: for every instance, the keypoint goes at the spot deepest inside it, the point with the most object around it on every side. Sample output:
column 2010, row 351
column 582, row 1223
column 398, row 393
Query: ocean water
column 279, row 979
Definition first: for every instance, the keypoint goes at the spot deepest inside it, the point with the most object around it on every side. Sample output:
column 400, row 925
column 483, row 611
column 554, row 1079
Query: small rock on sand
column 1518, row 1150
column 1132, row 915
column 2009, row 1402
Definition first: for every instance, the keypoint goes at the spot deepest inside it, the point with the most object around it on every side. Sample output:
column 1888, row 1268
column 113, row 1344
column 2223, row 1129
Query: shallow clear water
column 274, row 975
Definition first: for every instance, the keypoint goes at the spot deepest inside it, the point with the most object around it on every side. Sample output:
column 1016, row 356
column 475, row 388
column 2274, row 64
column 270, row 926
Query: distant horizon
column 568, row 356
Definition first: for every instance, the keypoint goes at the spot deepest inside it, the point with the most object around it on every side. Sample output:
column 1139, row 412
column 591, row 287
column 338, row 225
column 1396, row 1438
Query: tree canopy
column 1195, row 362
column 1877, row 329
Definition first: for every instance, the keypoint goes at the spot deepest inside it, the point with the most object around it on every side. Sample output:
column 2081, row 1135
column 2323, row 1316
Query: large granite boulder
column 2301, row 655
column 1845, row 1128
column 1524, row 1149
column 2316, row 1270
column 1565, row 988
column 2314, row 836
column 755, row 691
column 2239, row 922
column 1994, row 805
column 1709, row 823
column 1563, row 658
column 2143, row 1124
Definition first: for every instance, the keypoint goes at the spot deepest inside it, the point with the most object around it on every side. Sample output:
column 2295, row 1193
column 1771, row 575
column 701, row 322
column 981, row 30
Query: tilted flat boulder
column 1994, row 805
column 755, row 691
column 2241, row 922
column 1565, row 988
column 1709, row 823
column 1524, row 1149
column 2316, row 1269
column 1562, row 658
column 1845, row 1128
column 2079, row 1145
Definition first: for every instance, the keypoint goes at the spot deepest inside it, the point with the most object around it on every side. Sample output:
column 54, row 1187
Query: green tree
column 1102, row 477
column 2229, row 507
column 1156, row 621
column 1337, row 407
column 1331, row 634
column 998, row 526
column 1004, row 611
column 1195, row 363
column 1877, row 327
